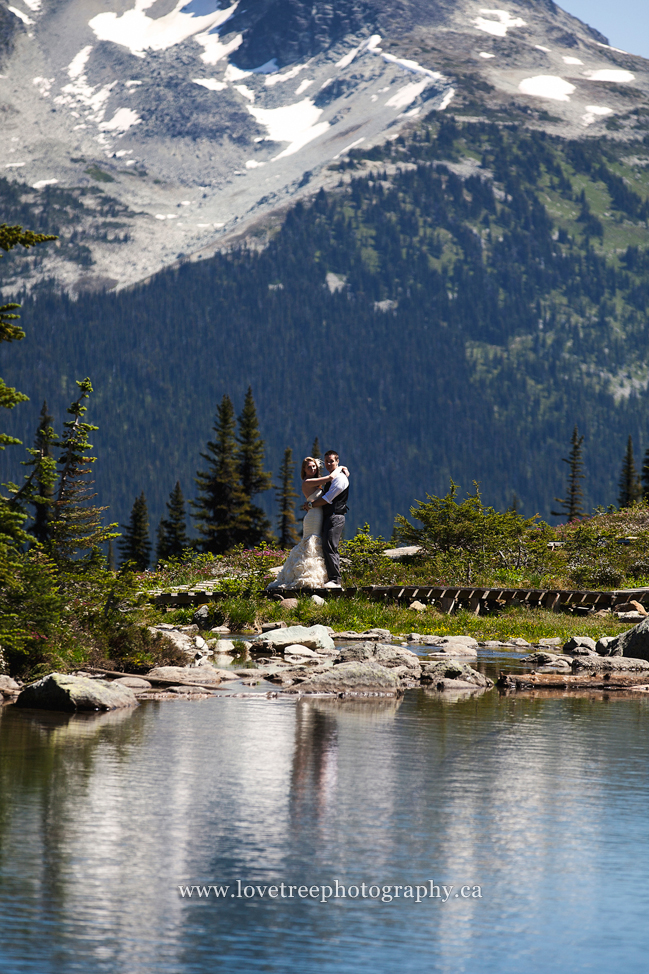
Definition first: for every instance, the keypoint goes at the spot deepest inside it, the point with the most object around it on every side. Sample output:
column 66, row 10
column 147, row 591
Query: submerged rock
column 60, row 691
column 314, row 637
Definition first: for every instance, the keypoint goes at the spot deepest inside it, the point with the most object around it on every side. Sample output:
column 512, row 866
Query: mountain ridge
column 203, row 119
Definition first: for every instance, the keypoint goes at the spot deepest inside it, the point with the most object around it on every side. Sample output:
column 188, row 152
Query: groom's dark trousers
column 332, row 531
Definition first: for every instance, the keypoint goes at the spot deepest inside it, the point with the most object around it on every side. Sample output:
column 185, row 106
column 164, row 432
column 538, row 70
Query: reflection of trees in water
column 47, row 765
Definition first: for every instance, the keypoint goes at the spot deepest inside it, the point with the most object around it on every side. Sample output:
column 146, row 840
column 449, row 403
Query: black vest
column 338, row 505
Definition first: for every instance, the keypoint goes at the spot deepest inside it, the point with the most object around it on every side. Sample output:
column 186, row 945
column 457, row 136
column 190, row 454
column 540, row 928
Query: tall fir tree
column 135, row 543
column 43, row 501
column 630, row 486
column 286, row 495
column 645, row 476
column 254, row 479
column 172, row 531
column 222, row 510
column 571, row 504
column 316, row 453
column 76, row 524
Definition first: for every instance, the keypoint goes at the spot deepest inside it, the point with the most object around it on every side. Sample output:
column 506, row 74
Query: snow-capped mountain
column 203, row 120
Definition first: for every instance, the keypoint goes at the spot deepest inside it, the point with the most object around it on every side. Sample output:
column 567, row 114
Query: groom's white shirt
column 338, row 484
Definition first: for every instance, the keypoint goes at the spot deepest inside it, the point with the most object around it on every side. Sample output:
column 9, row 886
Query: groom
column 334, row 502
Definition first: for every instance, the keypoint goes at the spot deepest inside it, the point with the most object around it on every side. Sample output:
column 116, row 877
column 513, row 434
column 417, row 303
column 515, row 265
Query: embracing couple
column 315, row 562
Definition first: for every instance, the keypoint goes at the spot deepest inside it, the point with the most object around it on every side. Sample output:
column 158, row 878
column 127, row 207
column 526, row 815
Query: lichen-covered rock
column 134, row 682
column 580, row 646
column 548, row 659
column 190, row 674
column 436, row 672
column 314, row 637
column 382, row 653
column 354, row 677
column 60, row 691
column 633, row 643
column 183, row 641
column 454, row 646
column 6, row 683
column 369, row 634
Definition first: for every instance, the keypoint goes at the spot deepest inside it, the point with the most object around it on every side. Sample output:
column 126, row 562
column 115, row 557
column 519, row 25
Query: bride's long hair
column 319, row 464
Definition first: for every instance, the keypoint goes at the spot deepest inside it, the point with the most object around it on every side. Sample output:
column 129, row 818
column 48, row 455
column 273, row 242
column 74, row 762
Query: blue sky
column 624, row 22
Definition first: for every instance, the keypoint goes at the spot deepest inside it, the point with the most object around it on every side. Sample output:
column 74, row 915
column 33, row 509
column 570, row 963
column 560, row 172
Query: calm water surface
column 542, row 802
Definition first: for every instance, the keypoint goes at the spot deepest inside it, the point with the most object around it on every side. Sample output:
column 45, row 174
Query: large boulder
column 354, row 677
column 313, row 637
column 633, row 643
column 437, row 673
column 60, row 691
column 383, row 654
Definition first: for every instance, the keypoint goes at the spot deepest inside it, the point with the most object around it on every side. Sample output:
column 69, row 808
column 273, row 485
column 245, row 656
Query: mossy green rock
column 60, row 691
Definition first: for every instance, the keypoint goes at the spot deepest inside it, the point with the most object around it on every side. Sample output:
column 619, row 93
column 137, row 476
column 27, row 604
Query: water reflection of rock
column 454, row 695
column 60, row 728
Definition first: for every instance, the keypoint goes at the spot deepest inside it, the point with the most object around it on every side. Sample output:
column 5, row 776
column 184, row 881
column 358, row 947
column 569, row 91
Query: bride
column 305, row 565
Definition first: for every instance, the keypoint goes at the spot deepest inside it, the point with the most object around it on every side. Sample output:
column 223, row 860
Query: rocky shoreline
column 315, row 660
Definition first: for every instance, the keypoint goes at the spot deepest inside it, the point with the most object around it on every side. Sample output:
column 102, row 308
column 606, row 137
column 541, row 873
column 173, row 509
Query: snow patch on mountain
column 498, row 27
column 121, row 121
column 210, row 83
column 139, row 33
column 297, row 124
column 547, row 86
column 610, row 74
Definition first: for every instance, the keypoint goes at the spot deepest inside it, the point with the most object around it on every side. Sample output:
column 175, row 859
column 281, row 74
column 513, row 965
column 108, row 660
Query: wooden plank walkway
column 447, row 598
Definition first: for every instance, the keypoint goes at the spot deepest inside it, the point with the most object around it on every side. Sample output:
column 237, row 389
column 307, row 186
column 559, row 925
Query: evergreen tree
column 111, row 556
column 254, row 479
column 172, row 530
column 43, row 501
column 135, row 544
column 76, row 524
column 315, row 449
column 630, row 486
column 12, row 513
column 286, row 497
column 222, row 510
column 572, row 503
column 645, row 476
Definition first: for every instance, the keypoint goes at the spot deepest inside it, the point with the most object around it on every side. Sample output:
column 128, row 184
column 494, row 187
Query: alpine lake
column 428, row 833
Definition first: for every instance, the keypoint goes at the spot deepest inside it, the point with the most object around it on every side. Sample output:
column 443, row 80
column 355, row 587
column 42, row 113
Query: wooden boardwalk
column 447, row 598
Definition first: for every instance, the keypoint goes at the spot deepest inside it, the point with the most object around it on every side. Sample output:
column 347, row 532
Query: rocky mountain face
column 148, row 132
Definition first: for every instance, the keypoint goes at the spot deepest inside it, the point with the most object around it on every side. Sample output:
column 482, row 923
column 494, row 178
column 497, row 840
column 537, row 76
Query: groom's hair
column 331, row 453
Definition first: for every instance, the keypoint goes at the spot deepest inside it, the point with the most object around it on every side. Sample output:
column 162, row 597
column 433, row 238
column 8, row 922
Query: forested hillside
column 465, row 297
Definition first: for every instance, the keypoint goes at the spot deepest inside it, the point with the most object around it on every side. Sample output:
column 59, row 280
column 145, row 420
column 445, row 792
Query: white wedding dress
column 305, row 566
